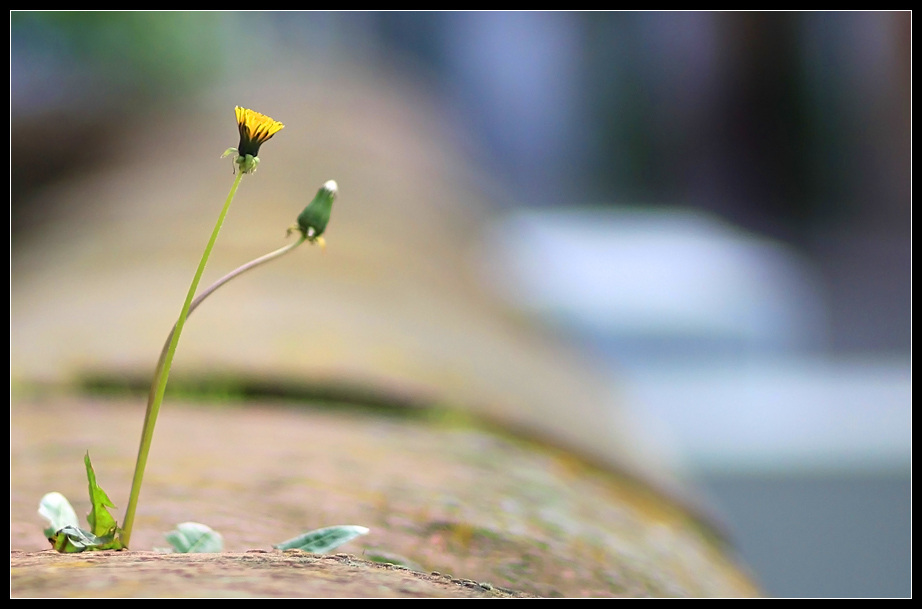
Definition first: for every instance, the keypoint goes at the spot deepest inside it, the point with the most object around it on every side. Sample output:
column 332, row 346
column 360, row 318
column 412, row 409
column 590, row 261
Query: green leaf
column 74, row 539
column 110, row 541
column 101, row 521
column 192, row 537
column 323, row 540
column 65, row 534
column 56, row 509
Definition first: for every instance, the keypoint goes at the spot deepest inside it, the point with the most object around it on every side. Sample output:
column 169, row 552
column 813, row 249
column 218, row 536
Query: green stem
column 252, row 264
column 153, row 410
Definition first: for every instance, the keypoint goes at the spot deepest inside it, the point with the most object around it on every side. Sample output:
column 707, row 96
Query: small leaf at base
column 194, row 538
column 323, row 540
column 56, row 509
column 101, row 521
column 73, row 539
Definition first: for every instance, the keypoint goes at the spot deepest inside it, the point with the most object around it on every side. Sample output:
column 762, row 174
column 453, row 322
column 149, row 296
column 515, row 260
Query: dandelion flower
column 254, row 128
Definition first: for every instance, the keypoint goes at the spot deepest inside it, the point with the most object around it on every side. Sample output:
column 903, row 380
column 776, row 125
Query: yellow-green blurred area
column 664, row 242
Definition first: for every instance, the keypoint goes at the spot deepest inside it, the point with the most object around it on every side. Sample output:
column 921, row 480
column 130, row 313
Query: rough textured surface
column 438, row 495
column 252, row 574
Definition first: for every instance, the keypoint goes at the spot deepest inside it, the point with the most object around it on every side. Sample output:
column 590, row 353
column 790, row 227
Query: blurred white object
column 805, row 415
column 658, row 280
column 718, row 338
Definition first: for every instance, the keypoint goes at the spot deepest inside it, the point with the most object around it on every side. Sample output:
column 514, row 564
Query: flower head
column 254, row 128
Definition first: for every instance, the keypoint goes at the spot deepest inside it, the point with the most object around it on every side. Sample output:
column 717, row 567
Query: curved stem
column 252, row 264
column 153, row 410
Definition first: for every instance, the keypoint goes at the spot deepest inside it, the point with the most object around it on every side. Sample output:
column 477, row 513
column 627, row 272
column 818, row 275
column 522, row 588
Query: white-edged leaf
column 195, row 538
column 74, row 539
column 323, row 540
column 81, row 538
column 57, row 510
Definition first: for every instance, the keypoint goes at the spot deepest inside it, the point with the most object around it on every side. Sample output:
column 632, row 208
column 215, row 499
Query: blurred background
column 715, row 206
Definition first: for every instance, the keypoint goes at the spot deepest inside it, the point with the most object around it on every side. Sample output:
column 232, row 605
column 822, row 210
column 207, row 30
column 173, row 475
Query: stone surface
column 439, row 495
column 241, row 575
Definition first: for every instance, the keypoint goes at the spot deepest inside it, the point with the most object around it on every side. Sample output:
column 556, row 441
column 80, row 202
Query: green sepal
column 247, row 163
